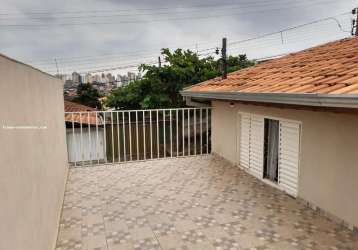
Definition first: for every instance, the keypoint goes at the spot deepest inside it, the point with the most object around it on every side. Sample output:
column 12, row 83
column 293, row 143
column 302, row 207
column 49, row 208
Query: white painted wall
column 329, row 153
column 33, row 161
column 85, row 147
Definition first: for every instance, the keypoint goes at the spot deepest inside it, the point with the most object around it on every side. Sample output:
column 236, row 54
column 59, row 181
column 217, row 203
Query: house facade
column 292, row 122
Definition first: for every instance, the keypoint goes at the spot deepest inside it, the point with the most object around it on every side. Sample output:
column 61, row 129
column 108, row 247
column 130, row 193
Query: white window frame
column 280, row 119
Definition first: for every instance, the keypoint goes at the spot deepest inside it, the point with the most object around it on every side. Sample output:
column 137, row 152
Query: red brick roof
column 331, row 68
column 87, row 115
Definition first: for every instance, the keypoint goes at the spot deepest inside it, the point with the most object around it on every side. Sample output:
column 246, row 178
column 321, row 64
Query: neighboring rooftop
column 331, row 68
column 85, row 118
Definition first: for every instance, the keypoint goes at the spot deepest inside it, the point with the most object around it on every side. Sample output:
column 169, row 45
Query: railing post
column 165, row 139
column 112, row 137
column 194, row 131
column 74, row 144
column 158, row 153
column 207, row 131
column 136, row 133
column 118, row 138
column 171, row 133
column 89, row 137
column 189, row 135
column 177, row 131
column 144, row 146
column 97, row 137
column 151, row 134
column 105, row 136
column 183, row 129
column 130, row 135
column 81, row 139
column 124, row 137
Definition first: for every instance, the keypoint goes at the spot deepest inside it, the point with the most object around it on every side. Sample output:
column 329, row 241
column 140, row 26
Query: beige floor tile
column 127, row 246
column 158, row 218
column 140, row 233
column 213, row 233
column 201, row 246
column 115, row 226
column 70, row 233
column 93, row 219
column 170, row 241
column 196, row 202
column 184, row 225
column 281, row 246
column 249, row 240
column 94, row 241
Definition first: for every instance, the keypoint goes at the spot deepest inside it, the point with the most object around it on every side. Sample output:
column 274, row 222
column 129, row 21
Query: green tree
column 87, row 95
column 160, row 86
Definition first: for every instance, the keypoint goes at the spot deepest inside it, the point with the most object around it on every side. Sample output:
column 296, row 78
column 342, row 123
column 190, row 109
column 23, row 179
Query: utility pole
column 355, row 22
column 224, row 58
column 159, row 62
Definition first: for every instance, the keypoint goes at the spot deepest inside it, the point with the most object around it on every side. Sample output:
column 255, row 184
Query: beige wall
column 329, row 153
column 33, row 162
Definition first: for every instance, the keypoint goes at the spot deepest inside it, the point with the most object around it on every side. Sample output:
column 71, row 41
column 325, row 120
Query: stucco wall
column 33, row 161
column 329, row 153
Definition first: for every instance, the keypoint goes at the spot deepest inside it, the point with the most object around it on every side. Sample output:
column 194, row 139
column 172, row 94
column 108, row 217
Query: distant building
column 76, row 78
column 88, row 78
column 96, row 79
column 63, row 77
column 110, row 78
column 131, row 76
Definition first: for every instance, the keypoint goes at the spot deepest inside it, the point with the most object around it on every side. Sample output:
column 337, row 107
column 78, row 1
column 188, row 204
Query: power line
column 221, row 8
column 151, row 21
column 270, row 34
column 219, row 4
column 125, row 54
column 107, row 68
column 291, row 28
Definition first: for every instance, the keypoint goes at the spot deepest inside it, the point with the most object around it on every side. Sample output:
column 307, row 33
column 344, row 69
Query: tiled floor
column 187, row 203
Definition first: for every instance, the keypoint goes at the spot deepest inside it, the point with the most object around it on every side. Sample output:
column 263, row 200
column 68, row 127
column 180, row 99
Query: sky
column 115, row 36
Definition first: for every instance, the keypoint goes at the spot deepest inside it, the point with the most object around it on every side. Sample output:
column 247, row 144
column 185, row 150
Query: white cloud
column 33, row 44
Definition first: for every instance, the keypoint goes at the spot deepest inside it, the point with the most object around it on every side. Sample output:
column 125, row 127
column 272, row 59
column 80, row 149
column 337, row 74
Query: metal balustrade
column 109, row 137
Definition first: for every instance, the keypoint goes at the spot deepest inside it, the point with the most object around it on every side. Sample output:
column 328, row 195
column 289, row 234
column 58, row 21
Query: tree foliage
column 87, row 95
column 160, row 86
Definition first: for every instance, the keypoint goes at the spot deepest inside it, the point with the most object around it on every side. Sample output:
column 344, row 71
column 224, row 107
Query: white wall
column 33, row 161
column 329, row 153
column 86, row 147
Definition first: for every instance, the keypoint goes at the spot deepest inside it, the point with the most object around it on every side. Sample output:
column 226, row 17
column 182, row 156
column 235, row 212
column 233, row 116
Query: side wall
column 329, row 160
column 33, row 160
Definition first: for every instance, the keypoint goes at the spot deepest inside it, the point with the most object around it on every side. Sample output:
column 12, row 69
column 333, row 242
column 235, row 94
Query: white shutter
column 289, row 156
column 257, row 146
column 245, row 140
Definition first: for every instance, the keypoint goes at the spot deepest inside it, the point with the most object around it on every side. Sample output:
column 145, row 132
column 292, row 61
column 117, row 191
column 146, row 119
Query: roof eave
column 318, row 100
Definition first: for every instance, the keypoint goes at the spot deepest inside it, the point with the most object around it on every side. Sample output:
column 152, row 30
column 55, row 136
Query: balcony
column 199, row 202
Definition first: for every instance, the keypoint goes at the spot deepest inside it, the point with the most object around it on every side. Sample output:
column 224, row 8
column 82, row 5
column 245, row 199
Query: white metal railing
column 102, row 137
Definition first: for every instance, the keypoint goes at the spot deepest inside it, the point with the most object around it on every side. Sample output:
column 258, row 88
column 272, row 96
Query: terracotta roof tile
column 87, row 115
column 331, row 68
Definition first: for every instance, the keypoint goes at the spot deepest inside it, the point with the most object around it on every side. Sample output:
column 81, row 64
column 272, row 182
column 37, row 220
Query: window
column 269, row 149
